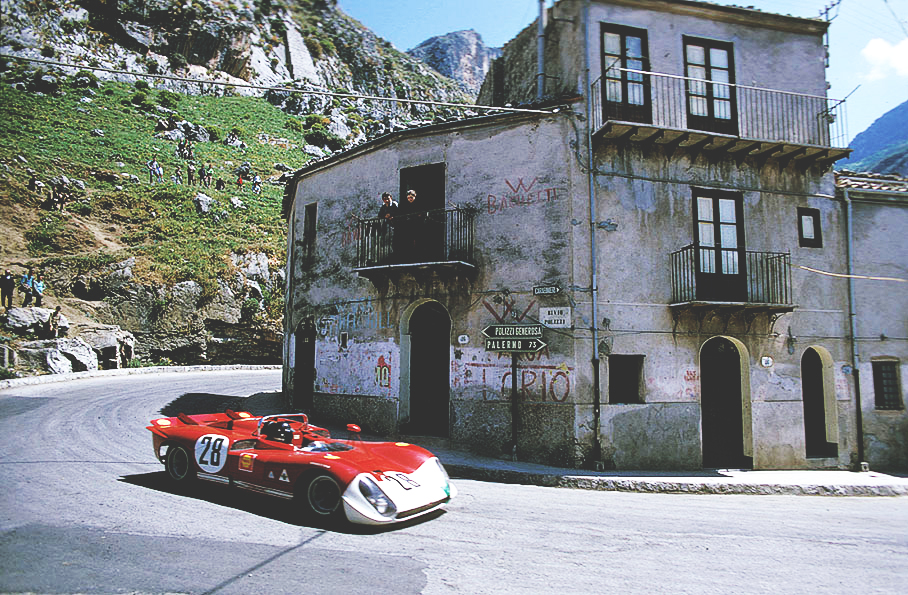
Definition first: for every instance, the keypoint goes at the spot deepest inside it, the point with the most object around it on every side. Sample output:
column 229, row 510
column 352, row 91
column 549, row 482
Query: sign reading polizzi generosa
column 556, row 317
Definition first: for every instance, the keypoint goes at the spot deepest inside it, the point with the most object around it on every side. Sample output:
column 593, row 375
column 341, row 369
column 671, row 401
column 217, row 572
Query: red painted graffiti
column 520, row 195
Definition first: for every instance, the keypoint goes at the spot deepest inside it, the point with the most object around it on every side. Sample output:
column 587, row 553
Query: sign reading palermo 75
column 516, row 345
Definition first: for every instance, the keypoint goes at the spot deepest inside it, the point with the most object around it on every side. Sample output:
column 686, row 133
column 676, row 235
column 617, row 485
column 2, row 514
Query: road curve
column 86, row 509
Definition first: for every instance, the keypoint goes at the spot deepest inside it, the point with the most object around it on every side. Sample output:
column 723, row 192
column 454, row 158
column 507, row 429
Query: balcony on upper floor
column 717, row 119
column 731, row 280
column 438, row 240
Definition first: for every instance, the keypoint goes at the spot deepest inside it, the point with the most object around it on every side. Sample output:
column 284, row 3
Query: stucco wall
column 881, row 246
column 519, row 175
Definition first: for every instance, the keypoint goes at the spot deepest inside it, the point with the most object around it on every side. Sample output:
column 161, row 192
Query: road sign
column 555, row 317
column 512, row 331
column 518, row 345
column 546, row 290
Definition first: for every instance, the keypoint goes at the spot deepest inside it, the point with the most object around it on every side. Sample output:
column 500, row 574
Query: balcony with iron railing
column 723, row 118
column 440, row 239
column 731, row 279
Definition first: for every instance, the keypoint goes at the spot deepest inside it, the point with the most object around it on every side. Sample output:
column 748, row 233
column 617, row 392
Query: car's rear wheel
column 323, row 495
column 179, row 465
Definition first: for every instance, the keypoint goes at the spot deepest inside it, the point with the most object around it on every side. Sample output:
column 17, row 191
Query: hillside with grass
column 98, row 138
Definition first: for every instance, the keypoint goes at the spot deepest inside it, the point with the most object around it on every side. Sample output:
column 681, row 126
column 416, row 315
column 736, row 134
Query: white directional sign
column 518, row 345
column 556, row 317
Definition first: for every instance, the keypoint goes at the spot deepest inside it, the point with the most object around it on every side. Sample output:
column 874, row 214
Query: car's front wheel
column 323, row 496
column 179, row 465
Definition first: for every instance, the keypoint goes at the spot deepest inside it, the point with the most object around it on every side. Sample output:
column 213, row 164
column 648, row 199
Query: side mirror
column 354, row 428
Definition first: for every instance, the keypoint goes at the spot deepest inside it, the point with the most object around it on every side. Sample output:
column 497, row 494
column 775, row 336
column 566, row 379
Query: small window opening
column 809, row 232
column 625, row 379
column 886, row 386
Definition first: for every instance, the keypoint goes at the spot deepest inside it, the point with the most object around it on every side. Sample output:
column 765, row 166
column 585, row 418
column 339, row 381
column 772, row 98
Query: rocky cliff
column 121, row 306
column 461, row 55
column 309, row 45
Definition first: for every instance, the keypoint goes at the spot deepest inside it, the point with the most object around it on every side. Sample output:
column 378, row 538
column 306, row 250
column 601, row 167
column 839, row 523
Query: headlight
column 376, row 497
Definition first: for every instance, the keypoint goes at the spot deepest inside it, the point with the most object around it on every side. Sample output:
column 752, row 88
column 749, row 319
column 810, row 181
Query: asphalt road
column 86, row 509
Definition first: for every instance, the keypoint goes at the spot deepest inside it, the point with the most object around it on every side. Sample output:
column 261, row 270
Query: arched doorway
column 820, row 422
column 430, row 346
column 304, row 367
column 722, row 405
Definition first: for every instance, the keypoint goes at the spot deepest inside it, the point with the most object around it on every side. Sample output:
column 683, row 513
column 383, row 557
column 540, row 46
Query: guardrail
column 442, row 235
column 749, row 112
column 768, row 276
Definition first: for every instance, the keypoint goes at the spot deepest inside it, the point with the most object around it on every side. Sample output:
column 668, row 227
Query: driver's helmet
column 279, row 431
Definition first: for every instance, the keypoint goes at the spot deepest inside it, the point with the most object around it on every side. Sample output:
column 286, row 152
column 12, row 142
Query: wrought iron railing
column 767, row 274
column 442, row 235
column 672, row 101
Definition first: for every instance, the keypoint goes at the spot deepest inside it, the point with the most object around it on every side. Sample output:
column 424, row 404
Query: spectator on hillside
column 219, row 184
column 190, row 173
column 53, row 323
column 38, row 290
column 7, row 286
column 152, row 169
column 178, row 174
column 239, row 181
column 26, row 289
column 208, row 173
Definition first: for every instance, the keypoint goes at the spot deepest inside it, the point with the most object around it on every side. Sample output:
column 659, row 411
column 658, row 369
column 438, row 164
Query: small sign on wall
column 556, row 317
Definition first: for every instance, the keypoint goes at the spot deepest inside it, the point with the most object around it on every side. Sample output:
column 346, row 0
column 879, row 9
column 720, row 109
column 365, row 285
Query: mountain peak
column 460, row 55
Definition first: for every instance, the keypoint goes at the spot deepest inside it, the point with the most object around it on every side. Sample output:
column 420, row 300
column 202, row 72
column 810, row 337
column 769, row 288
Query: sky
column 868, row 38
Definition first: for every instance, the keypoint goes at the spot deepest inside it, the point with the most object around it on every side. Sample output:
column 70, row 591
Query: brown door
column 719, row 246
column 430, row 343
column 721, row 406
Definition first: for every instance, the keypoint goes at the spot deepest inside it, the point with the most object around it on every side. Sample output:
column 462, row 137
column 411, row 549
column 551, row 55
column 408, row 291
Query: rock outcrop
column 312, row 46
column 461, row 55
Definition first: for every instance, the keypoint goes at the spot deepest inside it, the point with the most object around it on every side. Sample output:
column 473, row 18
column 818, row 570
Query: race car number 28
column 211, row 452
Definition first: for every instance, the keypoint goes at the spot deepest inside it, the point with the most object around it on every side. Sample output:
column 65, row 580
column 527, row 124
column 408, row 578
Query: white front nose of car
column 394, row 496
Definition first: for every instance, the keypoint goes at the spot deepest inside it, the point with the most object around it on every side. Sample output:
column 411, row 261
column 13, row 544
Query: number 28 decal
column 211, row 452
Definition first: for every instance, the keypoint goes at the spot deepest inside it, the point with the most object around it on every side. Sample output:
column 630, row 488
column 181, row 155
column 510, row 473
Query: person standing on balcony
column 411, row 218
column 383, row 234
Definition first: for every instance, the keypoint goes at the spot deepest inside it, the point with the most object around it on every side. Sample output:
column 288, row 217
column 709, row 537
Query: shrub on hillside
column 168, row 99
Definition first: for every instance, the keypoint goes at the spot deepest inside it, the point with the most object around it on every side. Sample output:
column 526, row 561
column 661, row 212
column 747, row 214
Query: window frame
column 710, row 122
column 623, row 110
column 310, row 227
column 887, row 393
column 619, row 378
column 817, row 240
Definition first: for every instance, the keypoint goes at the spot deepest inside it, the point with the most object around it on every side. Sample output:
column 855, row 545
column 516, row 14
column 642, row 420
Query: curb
column 614, row 484
column 48, row 378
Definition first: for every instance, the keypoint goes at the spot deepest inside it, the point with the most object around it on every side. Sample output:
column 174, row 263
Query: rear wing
column 215, row 420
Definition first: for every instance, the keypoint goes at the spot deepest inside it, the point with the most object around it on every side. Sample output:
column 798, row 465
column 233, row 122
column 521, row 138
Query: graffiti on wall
column 383, row 373
column 521, row 194
column 352, row 317
column 350, row 234
column 537, row 378
column 507, row 312
column 365, row 369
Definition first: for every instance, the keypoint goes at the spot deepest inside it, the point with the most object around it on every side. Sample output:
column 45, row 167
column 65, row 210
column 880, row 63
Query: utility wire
column 900, row 23
column 287, row 89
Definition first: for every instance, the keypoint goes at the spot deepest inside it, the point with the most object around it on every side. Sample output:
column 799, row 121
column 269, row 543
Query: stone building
column 877, row 244
column 630, row 273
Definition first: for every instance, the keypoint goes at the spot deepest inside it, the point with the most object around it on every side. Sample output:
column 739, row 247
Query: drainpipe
column 594, row 260
column 540, row 52
column 852, row 319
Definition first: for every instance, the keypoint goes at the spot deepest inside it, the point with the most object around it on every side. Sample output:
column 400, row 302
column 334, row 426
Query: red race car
column 373, row 483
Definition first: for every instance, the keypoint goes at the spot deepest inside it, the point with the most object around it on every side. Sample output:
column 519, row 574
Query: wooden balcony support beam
column 785, row 158
column 672, row 144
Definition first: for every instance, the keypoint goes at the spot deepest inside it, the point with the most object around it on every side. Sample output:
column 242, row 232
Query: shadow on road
column 257, row 504
column 197, row 403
